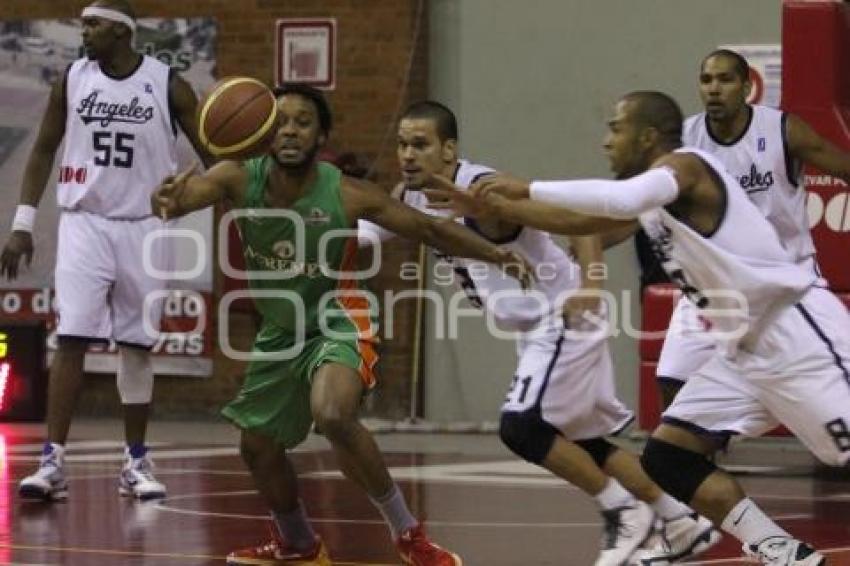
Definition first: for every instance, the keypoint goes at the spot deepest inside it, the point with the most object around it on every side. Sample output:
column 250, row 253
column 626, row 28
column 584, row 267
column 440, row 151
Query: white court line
column 76, row 445
column 155, row 454
column 165, row 506
column 507, row 473
column 114, row 475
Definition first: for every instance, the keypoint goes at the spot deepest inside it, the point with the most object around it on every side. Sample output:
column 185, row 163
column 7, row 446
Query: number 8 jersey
column 119, row 139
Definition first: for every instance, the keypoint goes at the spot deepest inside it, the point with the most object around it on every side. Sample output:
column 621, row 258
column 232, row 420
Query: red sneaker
column 276, row 553
column 416, row 550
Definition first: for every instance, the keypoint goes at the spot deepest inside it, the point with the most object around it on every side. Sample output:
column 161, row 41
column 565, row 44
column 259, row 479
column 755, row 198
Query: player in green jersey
column 318, row 319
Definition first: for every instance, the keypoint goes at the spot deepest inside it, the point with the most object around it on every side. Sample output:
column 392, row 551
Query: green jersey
column 301, row 271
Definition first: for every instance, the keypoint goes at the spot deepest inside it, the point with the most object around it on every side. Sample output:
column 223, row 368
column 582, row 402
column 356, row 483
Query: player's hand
column 582, row 308
column 517, row 266
column 19, row 245
column 507, row 186
column 443, row 194
column 165, row 200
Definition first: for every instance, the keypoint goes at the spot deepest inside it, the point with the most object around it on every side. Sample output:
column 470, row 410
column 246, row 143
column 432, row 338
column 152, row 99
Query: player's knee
column 527, row 435
column 598, row 448
column 135, row 375
column 676, row 470
column 333, row 421
column 254, row 448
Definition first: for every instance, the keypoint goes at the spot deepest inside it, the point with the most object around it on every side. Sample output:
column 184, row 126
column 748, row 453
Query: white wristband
column 24, row 218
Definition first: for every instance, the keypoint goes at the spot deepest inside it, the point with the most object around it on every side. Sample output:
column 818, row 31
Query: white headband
column 109, row 14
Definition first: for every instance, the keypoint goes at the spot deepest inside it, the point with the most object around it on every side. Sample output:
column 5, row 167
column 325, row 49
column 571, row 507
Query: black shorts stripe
column 670, row 379
column 624, row 426
column 721, row 437
column 146, row 347
column 792, row 166
column 549, row 368
column 80, row 338
column 825, row 339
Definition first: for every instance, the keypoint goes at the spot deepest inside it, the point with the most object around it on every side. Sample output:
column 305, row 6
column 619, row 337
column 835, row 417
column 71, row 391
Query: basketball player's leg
column 687, row 346
column 335, row 400
column 810, row 390
column 273, row 412
column 715, row 402
column 64, row 385
column 137, row 302
column 552, row 417
column 82, row 280
column 343, row 373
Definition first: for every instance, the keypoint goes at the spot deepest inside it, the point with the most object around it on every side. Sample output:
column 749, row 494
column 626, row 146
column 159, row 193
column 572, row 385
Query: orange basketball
column 238, row 118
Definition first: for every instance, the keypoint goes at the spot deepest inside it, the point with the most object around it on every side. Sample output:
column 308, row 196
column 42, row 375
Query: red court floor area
column 474, row 497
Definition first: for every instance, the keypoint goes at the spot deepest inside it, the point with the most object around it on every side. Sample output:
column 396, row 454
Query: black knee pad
column 676, row 470
column 527, row 435
column 598, row 448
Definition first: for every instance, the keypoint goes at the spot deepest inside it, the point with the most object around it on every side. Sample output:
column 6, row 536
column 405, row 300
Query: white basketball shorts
column 687, row 345
column 797, row 374
column 102, row 280
column 570, row 377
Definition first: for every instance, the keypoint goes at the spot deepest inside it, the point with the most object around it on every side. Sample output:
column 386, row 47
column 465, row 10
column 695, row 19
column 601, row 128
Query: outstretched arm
column 369, row 232
column 186, row 192
column 367, row 201
column 806, row 145
column 614, row 237
column 487, row 201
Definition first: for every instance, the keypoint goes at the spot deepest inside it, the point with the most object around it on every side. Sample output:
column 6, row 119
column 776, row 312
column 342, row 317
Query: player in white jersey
column 118, row 112
column 764, row 149
column 562, row 403
column 783, row 348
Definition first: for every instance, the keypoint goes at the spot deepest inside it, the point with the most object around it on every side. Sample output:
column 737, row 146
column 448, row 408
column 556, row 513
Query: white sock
column 395, row 512
column 613, row 496
column 295, row 528
column 747, row 523
column 669, row 508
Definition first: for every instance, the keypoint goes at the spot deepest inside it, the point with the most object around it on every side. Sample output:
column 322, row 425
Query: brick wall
column 375, row 43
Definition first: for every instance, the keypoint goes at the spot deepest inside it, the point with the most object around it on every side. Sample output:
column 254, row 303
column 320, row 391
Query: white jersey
column 742, row 259
column 488, row 287
column 760, row 161
column 119, row 139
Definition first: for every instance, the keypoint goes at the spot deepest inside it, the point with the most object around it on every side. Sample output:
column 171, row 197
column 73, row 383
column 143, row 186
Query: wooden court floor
column 473, row 496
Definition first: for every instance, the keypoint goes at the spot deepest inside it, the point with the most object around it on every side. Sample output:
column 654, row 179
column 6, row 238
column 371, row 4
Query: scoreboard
column 23, row 371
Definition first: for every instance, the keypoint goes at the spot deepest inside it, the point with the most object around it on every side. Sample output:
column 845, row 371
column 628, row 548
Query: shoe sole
column 321, row 559
column 33, row 493
column 705, row 540
column 455, row 557
column 125, row 492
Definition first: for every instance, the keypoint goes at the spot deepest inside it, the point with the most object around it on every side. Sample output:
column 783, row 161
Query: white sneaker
column 626, row 529
column 784, row 551
column 48, row 482
column 679, row 540
column 137, row 479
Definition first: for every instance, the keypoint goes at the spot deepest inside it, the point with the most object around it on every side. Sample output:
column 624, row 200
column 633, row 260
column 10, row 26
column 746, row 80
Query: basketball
column 238, row 118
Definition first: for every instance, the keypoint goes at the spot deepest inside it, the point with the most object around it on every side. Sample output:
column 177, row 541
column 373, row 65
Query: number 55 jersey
column 119, row 139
